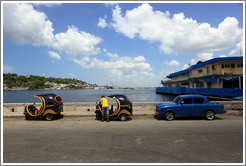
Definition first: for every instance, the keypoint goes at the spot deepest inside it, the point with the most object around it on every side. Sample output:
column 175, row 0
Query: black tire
column 98, row 117
column 169, row 115
column 209, row 115
column 123, row 117
column 27, row 117
column 49, row 117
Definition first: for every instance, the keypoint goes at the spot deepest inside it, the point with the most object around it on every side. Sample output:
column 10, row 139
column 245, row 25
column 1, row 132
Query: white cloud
column 122, row 63
column 176, row 34
column 205, row 56
column 200, row 57
column 46, row 4
column 238, row 51
column 110, row 4
column 122, row 70
column 222, row 56
column 102, row 22
column 54, row 56
column 193, row 61
column 72, row 75
column 163, row 74
column 22, row 24
column 111, row 55
column 7, row 68
column 185, row 66
column 75, row 42
column 172, row 63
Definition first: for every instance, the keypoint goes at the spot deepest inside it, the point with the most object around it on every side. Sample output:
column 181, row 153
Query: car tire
column 209, row 115
column 27, row 118
column 123, row 117
column 169, row 115
column 49, row 117
column 98, row 117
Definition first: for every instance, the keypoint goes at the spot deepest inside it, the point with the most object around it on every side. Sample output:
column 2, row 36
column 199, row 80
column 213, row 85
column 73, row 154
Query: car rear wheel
column 123, row 117
column 27, row 118
column 209, row 115
column 169, row 116
column 49, row 117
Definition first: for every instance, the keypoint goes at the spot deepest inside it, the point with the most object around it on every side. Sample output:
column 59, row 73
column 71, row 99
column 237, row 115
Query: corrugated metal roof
column 232, row 77
column 206, row 63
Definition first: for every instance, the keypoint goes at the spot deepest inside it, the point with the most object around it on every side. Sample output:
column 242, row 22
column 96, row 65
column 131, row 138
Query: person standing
column 105, row 108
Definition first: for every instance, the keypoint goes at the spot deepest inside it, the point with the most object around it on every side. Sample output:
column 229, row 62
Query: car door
column 199, row 106
column 186, row 107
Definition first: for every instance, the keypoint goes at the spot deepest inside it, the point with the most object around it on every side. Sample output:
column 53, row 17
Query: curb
column 22, row 116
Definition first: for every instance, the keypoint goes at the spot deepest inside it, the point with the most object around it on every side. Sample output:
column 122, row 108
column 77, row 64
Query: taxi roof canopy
column 49, row 98
column 122, row 98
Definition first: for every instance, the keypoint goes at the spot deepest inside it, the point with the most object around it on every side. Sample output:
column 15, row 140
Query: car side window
column 198, row 100
column 186, row 101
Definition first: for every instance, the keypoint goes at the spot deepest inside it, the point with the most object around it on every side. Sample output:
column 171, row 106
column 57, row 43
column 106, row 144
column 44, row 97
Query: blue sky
column 127, row 44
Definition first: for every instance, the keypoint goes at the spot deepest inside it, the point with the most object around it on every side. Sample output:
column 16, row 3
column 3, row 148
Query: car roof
column 117, row 96
column 192, row 96
column 47, row 95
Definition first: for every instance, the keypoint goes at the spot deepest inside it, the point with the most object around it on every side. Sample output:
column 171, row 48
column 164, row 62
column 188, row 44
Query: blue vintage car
column 189, row 105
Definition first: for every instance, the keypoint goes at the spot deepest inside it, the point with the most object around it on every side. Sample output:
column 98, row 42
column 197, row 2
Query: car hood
column 166, row 105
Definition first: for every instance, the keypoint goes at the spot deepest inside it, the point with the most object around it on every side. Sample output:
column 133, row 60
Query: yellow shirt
column 104, row 102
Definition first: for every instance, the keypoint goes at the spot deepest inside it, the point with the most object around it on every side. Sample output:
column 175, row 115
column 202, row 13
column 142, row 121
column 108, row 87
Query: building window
column 227, row 66
column 200, row 71
column 213, row 67
column 239, row 65
column 200, row 85
column 208, row 70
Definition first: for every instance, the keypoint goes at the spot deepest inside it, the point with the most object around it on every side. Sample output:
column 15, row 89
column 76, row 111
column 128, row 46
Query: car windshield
column 177, row 99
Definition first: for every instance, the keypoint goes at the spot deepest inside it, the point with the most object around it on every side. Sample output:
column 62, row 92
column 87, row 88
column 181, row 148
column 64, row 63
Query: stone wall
column 81, row 109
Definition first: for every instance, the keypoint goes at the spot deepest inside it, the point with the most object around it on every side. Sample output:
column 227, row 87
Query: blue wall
column 221, row 92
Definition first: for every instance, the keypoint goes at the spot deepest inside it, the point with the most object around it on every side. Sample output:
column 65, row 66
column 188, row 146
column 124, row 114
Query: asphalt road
column 141, row 140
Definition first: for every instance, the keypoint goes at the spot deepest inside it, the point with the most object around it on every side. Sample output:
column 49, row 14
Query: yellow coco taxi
column 120, row 108
column 51, row 107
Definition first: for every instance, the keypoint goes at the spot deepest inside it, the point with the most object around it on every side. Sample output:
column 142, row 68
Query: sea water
column 87, row 95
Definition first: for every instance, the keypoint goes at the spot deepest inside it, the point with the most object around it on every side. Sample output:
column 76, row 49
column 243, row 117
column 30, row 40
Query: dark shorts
column 105, row 109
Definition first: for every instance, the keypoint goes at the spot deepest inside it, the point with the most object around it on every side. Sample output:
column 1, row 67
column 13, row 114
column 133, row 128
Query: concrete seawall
column 81, row 109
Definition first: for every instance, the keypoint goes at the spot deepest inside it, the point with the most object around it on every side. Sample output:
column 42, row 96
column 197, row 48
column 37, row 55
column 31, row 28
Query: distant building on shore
column 224, row 73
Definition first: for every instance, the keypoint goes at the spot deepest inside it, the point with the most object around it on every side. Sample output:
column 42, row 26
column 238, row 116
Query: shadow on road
column 188, row 118
column 42, row 119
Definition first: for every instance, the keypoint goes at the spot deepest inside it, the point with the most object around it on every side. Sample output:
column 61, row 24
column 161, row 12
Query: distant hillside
column 20, row 82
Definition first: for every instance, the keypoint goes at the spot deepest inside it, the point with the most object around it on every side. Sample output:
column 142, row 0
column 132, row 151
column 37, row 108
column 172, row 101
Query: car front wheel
column 49, row 117
column 27, row 117
column 169, row 116
column 209, row 115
